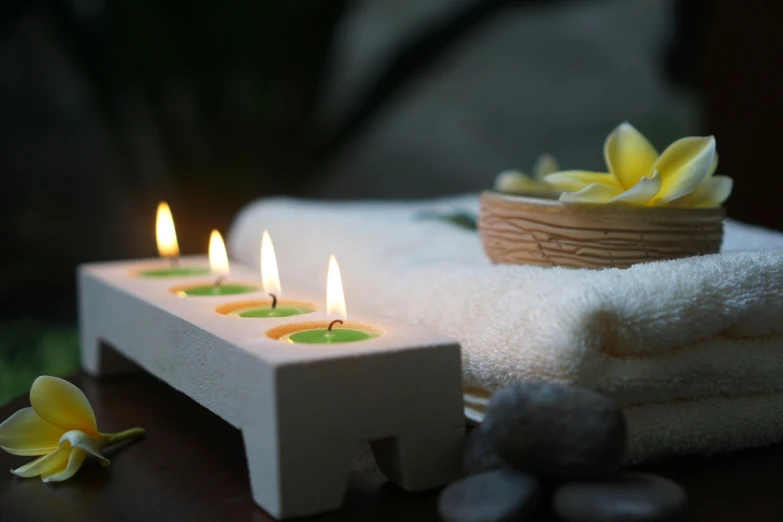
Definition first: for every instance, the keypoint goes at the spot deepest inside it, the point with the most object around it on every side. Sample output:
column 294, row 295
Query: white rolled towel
column 692, row 349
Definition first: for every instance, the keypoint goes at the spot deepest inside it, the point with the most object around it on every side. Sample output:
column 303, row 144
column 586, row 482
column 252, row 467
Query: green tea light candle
column 218, row 265
column 271, row 281
column 214, row 289
column 323, row 332
column 175, row 271
column 329, row 335
column 269, row 312
column 265, row 309
column 168, row 247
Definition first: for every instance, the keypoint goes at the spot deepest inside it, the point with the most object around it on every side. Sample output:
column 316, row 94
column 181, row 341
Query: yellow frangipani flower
column 516, row 182
column 681, row 176
column 59, row 428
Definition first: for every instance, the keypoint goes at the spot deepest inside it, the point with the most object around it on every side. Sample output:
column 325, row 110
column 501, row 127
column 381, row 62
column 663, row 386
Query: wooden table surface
column 191, row 468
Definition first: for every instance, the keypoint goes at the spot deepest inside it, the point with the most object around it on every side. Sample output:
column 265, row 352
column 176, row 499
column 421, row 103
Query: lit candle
column 219, row 266
column 166, row 237
column 336, row 312
column 271, row 281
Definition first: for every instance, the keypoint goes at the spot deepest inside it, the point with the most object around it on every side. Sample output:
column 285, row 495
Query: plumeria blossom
column 59, row 428
column 682, row 176
column 516, row 182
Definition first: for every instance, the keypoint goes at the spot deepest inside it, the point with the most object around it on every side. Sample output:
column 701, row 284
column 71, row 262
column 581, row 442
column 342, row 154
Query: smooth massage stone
column 622, row 497
column 493, row 496
column 563, row 431
column 479, row 455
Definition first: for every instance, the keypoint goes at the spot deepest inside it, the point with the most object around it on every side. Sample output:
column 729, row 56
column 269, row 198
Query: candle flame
column 335, row 299
column 165, row 234
column 218, row 258
column 269, row 274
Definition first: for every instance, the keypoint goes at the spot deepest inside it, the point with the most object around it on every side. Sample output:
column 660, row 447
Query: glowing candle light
column 219, row 266
column 270, row 277
column 218, row 257
column 168, row 247
column 335, row 298
column 165, row 234
column 271, row 281
column 335, row 310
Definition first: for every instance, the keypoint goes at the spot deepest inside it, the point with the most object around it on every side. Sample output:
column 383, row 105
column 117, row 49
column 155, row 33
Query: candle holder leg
column 299, row 474
column 419, row 461
column 99, row 358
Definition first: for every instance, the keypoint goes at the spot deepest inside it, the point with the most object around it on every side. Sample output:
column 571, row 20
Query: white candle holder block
column 302, row 408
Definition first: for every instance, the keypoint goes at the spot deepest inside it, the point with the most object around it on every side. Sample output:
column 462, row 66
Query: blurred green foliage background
column 29, row 348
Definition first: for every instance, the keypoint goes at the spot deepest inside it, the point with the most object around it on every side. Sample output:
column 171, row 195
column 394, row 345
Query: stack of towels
column 692, row 349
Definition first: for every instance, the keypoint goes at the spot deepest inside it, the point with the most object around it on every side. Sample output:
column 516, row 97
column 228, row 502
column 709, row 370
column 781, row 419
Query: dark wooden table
column 191, row 468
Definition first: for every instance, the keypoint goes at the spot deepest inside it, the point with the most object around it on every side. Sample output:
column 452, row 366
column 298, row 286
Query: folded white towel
column 692, row 349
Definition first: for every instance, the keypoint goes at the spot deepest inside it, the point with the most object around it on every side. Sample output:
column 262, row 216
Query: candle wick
column 174, row 261
column 274, row 301
column 219, row 281
column 331, row 325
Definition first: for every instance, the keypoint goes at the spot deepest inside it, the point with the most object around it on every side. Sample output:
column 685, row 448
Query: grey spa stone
column 562, row 431
column 493, row 496
column 622, row 497
column 480, row 455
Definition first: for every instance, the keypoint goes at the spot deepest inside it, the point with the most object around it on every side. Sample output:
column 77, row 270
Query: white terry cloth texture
column 692, row 349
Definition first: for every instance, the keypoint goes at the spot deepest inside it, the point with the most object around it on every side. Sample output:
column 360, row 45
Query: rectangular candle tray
column 302, row 408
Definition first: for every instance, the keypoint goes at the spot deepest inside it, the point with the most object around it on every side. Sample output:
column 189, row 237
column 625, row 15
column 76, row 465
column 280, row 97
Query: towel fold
column 692, row 349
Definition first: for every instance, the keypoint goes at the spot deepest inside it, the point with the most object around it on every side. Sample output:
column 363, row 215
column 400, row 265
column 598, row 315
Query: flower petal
column 545, row 164
column 44, row 464
column 629, row 155
column 54, row 471
column 595, row 193
column 683, row 166
column 714, row 165
column 575, row 180
column 25, row 433
column 515, row 182
column 92, row 445
column 641, row 193
column 75, row 462
column 61, row 403
column 710, row 193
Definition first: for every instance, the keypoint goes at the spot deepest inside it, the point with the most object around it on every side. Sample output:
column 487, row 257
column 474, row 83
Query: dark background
column 108, row 106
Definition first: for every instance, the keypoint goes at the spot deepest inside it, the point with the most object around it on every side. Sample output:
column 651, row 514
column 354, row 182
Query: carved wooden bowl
column 545, row 232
